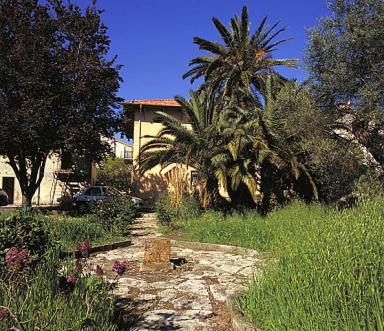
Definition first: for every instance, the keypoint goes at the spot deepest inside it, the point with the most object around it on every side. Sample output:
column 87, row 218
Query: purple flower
column 67, row 284
column 99, row 271
column 16, row 258
column 84, row 247
column 71, row 279
column 120, row 267
column 4, row 313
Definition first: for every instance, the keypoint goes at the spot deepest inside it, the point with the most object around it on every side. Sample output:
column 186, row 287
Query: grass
column 327, row 271
column 70, row 230
column 36, row 302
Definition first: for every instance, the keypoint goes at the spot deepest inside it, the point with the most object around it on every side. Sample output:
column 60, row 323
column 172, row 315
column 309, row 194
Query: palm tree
column 243, row 62
column 258, row 152
column 194, row 147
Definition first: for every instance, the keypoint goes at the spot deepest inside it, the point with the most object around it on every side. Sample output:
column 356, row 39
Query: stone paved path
column 192, row 297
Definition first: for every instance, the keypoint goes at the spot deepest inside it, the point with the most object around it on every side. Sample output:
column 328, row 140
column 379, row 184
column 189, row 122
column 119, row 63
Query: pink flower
column 99, row 271
column 71, row 279
column 16, row 258
column 4, row 313
column 120, row 267
column 84, row 247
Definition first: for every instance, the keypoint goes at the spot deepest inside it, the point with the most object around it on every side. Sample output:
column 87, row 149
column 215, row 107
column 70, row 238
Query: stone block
column 157, row 251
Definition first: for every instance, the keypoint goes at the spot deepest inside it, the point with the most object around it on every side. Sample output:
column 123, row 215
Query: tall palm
column 243, row 61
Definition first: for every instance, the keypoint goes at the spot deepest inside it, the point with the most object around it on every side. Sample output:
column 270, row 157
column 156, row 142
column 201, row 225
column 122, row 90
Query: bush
column 3, row 198
column 115, row 215
column 169, row 213
column 55, row 297
column 68, row 231
column 23, row 231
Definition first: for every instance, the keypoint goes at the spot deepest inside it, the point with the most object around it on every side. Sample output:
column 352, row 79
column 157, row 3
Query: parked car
column 3, row 198
column 93, row 194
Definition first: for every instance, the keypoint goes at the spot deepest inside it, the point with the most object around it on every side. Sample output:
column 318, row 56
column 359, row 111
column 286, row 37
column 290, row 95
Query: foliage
column 245, row 60
column 236, row 144
column 57, row 86
column 115, row 215
column 3, row 198
column 23, row 231
column 307, row 132
column 323, row 274
column 370, row 185
column 346, row 70
column 170, row 213
column 192, row 147
column 68, row 231
column 56, row 295
column 115, row 172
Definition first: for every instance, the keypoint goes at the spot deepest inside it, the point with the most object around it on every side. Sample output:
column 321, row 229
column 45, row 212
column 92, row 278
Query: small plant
column 56, row 294
column 169, row 212
column 115, row 215
column 23, row 231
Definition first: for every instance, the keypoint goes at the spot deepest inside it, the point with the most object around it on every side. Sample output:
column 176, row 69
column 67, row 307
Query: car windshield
column 93, row 191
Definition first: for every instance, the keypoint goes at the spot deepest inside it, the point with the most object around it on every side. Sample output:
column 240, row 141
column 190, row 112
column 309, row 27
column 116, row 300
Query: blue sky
column 153, row 38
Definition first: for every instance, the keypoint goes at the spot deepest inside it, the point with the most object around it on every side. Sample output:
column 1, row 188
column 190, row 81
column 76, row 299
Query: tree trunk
column 29, row 177
column 27, row 200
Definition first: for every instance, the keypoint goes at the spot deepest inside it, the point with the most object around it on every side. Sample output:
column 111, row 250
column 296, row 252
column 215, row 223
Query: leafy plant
column 169, row 213
column 115, row 215
column 23, row 231
column 115, row 172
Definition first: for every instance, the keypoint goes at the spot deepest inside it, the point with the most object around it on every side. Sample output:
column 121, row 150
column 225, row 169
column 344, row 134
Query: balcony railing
column 128, row 155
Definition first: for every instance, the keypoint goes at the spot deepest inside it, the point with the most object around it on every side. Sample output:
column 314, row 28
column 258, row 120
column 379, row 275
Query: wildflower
column 4, row 313
column 99, row 271
column 67, row 284
column 71, row 279
column 120, row 267
column 84, row 248
column 16, row 258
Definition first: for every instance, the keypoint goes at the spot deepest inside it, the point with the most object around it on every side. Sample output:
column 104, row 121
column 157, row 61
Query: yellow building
column 142, row 121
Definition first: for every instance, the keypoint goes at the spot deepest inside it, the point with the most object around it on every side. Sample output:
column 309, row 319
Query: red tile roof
column 154, row 102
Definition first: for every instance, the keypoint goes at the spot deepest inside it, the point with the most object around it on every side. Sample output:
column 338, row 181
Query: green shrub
column 3, row 198
column 23, row 231
column 115, row 215
column 39, row 302
column 169, row 213
column 70, row 230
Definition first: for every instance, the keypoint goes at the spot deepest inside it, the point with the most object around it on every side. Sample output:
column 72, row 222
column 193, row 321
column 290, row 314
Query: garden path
column 192, row 297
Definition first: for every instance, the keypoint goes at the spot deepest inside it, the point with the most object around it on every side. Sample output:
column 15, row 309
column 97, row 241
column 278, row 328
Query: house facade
column 142, row 119
column 60, row 177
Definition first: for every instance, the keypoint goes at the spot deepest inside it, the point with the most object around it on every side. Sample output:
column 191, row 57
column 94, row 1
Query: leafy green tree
column 308, row 134
column 243, row 62
column 345, row 61
column 115, row 172
column 57, row 86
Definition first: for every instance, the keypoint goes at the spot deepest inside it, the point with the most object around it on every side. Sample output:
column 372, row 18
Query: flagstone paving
column 191, row 297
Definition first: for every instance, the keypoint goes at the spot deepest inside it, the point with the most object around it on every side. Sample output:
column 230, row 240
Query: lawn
column 68, row 231
column 327, row 270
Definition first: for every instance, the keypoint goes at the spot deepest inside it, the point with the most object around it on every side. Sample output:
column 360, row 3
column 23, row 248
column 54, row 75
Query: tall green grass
column 37, row 303
column 328, row 267
column 70, row 230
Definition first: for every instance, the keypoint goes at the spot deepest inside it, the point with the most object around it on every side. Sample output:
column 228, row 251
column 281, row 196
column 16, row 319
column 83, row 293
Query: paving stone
column 179, row 299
